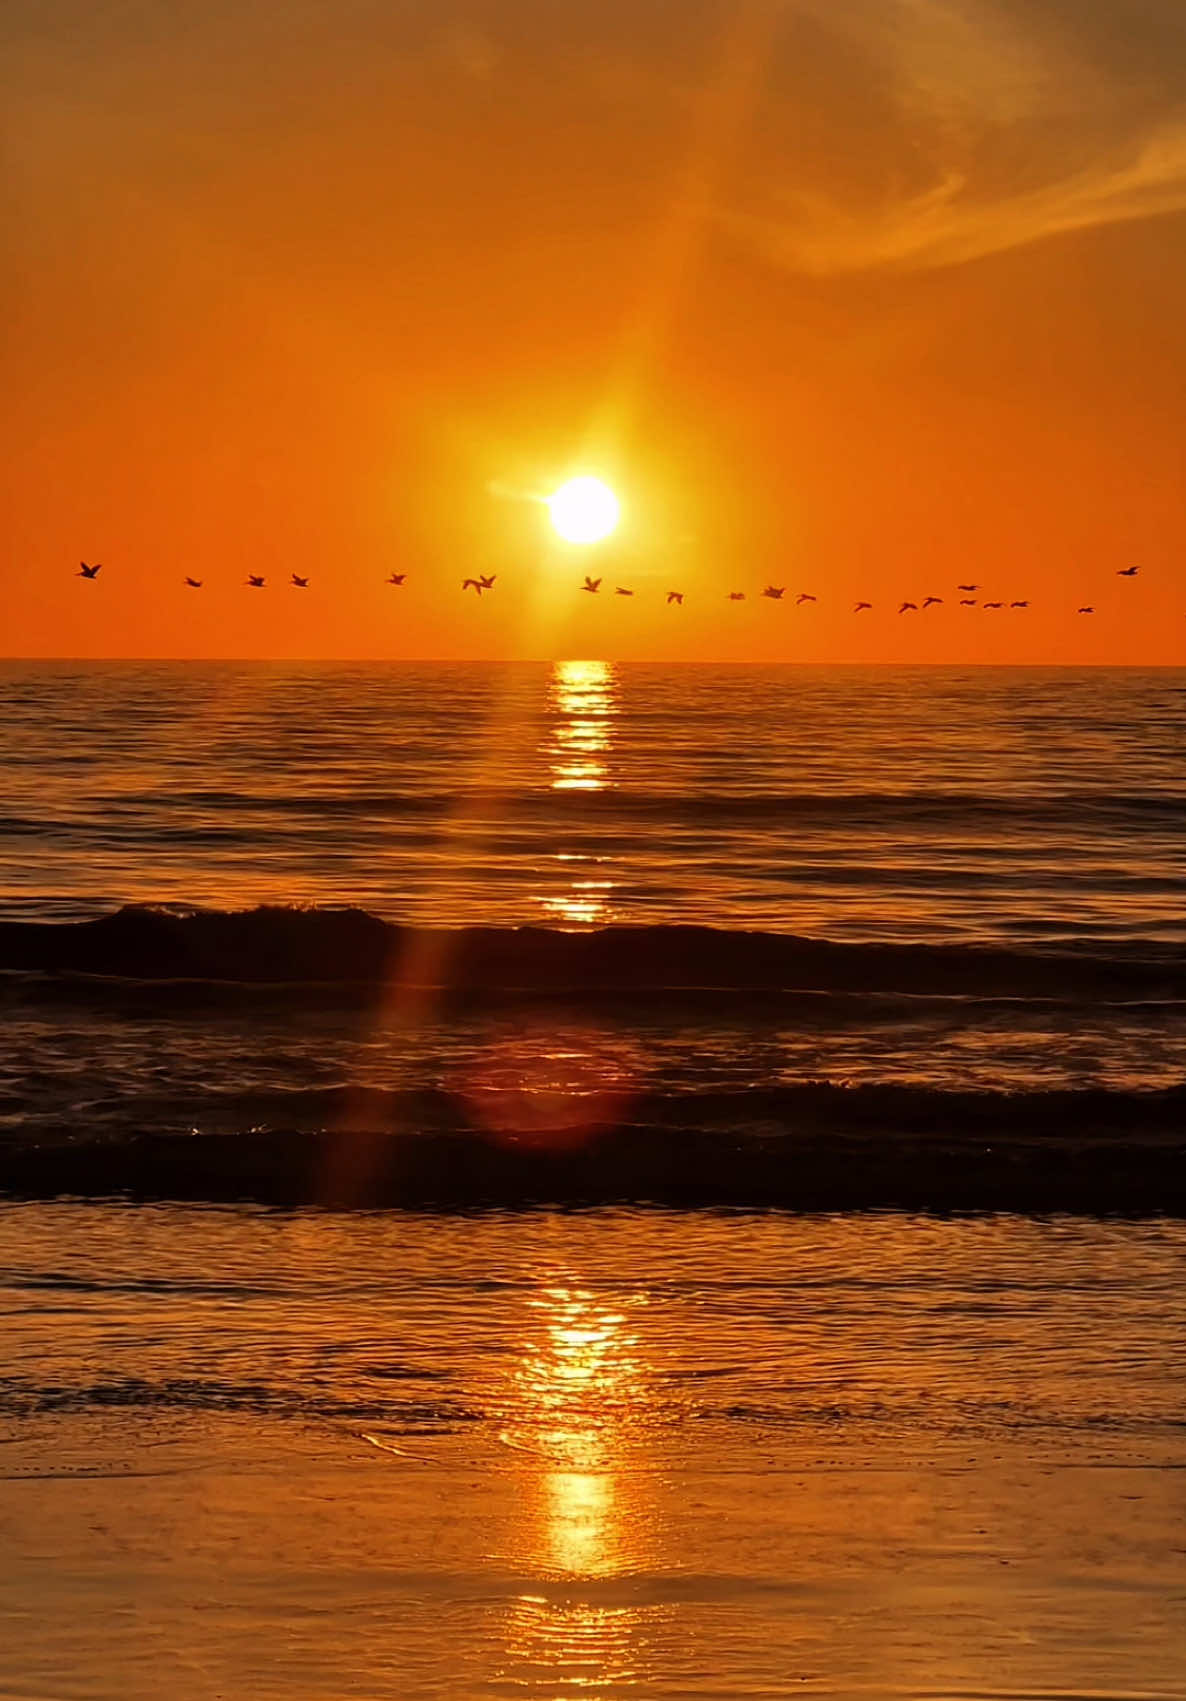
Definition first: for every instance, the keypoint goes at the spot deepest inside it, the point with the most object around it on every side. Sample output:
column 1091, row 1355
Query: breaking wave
column 293, row 947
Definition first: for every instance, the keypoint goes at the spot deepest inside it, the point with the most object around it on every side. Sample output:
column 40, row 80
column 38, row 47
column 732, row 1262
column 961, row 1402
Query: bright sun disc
column 584, row 510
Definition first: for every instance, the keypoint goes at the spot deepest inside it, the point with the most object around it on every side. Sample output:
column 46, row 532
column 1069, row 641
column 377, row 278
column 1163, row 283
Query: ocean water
column 573, row 1180
column 260, row 901
column 998, row 806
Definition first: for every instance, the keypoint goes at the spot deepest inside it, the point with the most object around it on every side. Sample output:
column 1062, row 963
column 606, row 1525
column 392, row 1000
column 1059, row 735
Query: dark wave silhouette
column 810, row 1147
column 308, row 947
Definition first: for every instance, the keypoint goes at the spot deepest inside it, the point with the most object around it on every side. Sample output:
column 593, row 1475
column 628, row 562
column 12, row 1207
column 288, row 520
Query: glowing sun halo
column 584, row 510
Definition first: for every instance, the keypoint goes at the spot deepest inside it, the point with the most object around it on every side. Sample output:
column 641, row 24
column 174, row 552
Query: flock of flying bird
column 485, row 582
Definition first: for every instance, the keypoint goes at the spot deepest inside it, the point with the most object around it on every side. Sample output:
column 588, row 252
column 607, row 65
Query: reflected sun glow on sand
column 579, row 1408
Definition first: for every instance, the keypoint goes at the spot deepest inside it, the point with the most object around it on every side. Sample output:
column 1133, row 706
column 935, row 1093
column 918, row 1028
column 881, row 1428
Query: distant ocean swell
column 288, row 946
column 883, row 810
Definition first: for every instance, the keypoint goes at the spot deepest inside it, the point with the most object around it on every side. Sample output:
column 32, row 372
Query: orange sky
column 863, row 299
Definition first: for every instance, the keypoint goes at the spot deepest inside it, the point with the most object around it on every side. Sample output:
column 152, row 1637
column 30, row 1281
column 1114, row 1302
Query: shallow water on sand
column 612, row 1454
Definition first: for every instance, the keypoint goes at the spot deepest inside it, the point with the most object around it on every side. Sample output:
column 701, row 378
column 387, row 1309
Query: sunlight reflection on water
column 582, row 702
column 579, row 1405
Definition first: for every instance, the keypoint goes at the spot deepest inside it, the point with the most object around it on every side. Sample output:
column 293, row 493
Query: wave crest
column 278, row 945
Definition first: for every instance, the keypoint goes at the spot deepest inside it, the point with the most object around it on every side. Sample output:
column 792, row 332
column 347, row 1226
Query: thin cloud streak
column 947, row 225
column 968, row 89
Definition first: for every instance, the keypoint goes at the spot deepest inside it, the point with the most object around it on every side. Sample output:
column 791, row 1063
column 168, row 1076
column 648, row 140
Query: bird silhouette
column 88, row 572
column 486, row 580
column 397, row 578
column 194, row 584
column 473, row 585
column 857, row 607
column 804, row 596
column 908, row 605
column 967, row 587
column 675, row 596
column 298, row 583
column 927, row 602
column 621, row 591
column 256, row 581
column 1085, row 610
column 994, row 605
column 590, row 584
column 1127, row 572
column 967, row 602
column 774, row 592
column 1019, row 605
column 736, row 596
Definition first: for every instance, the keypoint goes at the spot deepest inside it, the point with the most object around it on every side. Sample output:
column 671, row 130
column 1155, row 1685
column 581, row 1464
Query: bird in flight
column 1127, row 572
column 256, row 581
column 486, row 580
column 967, row 602
column 860, row 605
column 774, row 592
column 1085, row 610
column 299, row 584
column 736, row 596
column 194, row 584
column 927, row 601
column 967, row 587
column 591, row 584
column 675, row 596
column 994, row 605
column 621, row 591
column 908, row 605
column 397, row 578
column 88, row 572
column 804, row 596
column 1019, row 605
column 473, row 585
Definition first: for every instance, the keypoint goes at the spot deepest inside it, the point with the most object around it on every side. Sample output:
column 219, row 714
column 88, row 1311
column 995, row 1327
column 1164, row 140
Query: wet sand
column 618, row 1454
column 230, row 1561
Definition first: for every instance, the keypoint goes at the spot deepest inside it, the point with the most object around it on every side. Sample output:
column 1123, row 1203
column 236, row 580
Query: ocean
column 558, row 1179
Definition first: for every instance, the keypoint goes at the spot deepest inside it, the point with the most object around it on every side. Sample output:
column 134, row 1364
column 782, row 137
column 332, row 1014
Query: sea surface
column 669, row 886
column 578, row 1180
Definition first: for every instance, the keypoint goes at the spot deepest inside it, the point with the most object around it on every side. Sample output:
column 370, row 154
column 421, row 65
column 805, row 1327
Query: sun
column 584, row 510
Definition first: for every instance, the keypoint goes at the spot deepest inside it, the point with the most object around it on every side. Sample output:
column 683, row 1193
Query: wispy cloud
column 1001, row 131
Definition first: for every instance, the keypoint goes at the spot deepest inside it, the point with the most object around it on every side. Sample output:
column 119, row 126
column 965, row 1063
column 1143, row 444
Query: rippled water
column 614, row 1454
column 624, row 1455
column 991, row 804
column 995, row 858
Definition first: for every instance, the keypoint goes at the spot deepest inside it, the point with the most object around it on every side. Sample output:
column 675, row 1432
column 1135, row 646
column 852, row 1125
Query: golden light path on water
column 582, row 704
column 578, row 1418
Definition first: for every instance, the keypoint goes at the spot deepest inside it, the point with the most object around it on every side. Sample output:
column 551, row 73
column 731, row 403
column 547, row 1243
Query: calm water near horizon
column 974, row 804
column 624, row 1453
